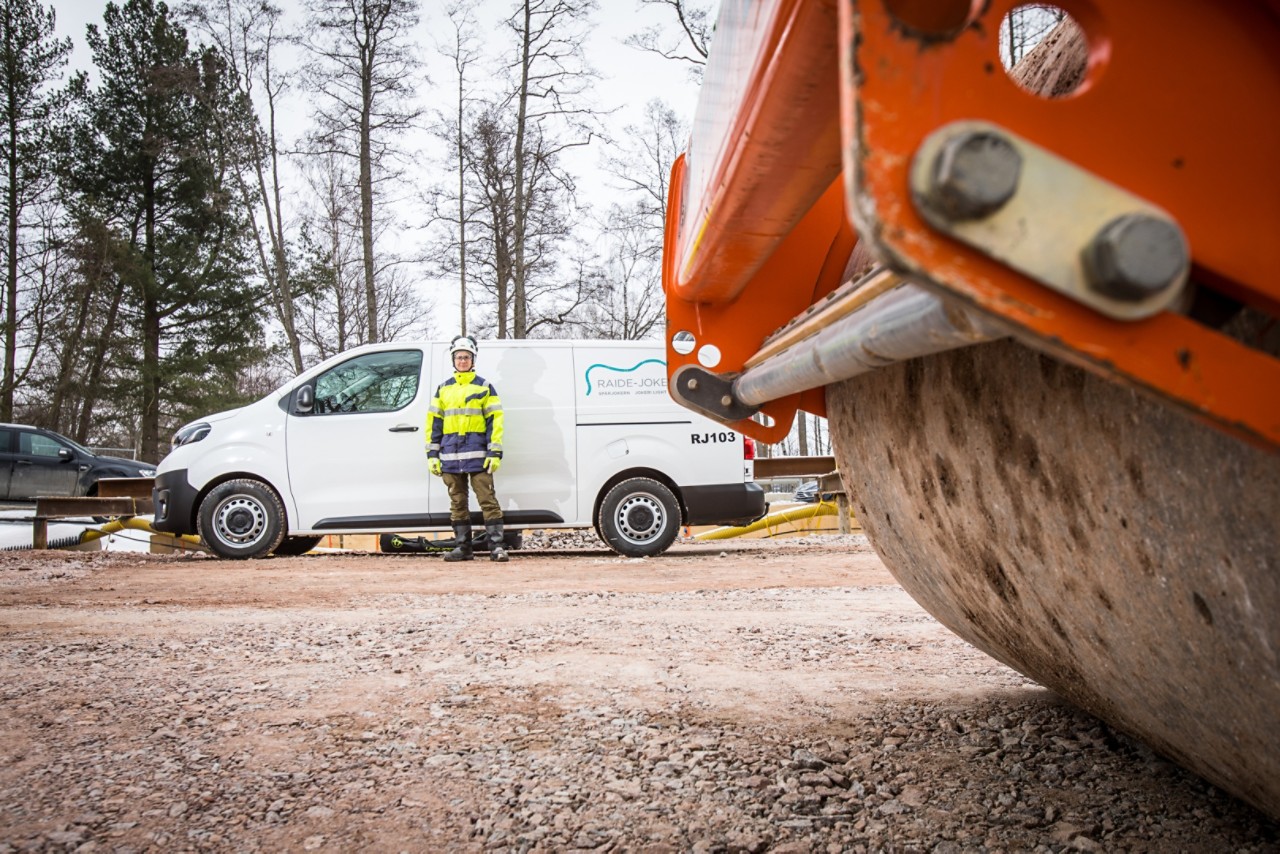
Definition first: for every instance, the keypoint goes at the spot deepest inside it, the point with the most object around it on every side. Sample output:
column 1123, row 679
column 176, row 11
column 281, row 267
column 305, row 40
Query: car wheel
column 293, row 546
column 639, row 517
column 241, row 519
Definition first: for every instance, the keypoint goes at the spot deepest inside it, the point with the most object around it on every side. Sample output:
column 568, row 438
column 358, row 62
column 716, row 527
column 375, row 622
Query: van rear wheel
column 242, row 519
column 639, row 517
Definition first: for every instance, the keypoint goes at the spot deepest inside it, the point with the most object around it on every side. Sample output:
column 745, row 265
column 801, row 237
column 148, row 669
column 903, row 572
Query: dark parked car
column 37, row 462
column 808, row 493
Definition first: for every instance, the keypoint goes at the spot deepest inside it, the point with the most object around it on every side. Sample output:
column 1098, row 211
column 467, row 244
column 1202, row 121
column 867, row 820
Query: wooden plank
column 770, row 467
column 842, row 513
column 53, row 508
column 126, row 487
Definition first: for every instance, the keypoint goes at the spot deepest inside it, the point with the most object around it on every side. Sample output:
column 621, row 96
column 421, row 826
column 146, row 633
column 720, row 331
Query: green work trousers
column 482, row 483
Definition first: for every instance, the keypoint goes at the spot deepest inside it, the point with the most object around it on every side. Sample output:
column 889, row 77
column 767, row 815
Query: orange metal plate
column 765, row 146
column 805, row 266
column 1181, row 106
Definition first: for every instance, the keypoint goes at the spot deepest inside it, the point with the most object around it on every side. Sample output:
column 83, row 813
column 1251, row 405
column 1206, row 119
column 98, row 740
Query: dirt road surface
column 755, row 696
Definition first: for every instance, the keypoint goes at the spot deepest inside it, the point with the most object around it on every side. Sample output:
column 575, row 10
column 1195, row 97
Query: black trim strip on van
column 414, row 521
column 627, row 423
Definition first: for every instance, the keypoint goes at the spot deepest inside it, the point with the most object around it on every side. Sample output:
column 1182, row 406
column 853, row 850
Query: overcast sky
column 630, row 79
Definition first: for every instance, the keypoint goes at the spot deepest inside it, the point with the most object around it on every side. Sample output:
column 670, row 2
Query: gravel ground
column 778, row 696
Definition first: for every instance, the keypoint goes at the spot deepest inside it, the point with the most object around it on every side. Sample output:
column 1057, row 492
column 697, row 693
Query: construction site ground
column 761, row 695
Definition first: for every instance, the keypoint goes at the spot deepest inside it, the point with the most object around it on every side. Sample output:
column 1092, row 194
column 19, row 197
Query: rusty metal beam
column 770, row 467
column 126, row 487
column 53, row 508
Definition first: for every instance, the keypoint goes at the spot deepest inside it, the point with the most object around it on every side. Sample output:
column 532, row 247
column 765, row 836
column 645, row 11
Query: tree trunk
column 366, row 207
column 11, row 269
column 275, row 229
column 462, row 216
column 149, row 443
column 97, row 361
column 519, row 214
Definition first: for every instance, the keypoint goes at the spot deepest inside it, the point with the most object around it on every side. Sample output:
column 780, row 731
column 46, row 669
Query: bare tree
column 331, row 307
column 626, row 294
column 365, row 73
column 642, row 165
column 463, row 52
column 331, row 299
column 629, row 300
column 551, row 296
column 689, row 43
column 247, row 33
column 550, row 81
column 1024, row 28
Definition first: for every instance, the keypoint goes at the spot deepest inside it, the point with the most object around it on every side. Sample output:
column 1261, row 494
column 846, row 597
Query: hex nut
column 974, row 175
column 1136, row 256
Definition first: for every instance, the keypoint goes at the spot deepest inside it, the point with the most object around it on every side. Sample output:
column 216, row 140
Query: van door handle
column 402, row 428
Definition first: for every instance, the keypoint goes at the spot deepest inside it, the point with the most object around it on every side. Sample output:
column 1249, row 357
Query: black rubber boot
column 497, row 547
column 461, row 536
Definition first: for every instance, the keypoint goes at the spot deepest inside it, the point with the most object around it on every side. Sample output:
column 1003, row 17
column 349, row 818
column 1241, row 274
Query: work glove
column 491, row 464
column 433, row 464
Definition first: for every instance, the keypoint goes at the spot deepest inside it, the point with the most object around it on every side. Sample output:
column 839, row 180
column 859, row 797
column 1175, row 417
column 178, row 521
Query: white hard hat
column 463, row 344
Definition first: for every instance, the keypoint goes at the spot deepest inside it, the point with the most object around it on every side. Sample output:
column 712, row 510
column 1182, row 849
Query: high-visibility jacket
column 464, row 423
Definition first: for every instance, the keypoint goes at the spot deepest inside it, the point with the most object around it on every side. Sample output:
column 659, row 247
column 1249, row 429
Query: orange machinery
column 828, row 122
column 867, row 194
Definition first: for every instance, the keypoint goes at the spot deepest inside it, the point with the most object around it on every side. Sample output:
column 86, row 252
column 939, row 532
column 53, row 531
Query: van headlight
column 191, row 433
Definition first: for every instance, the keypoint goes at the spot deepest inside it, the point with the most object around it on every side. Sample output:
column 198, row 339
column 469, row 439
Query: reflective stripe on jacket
column 464, row 423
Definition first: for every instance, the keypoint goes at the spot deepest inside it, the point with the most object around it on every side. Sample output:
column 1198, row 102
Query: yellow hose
column 771, row 520
column 137, row 523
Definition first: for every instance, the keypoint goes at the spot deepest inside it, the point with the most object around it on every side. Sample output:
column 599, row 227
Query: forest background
column 203, row 199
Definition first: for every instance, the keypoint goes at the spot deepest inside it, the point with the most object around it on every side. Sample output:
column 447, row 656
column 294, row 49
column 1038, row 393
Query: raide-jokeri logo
column 604, row 380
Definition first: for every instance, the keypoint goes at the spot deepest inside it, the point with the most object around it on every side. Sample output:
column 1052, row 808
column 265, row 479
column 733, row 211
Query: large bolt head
column 1136, row 256
column 974, row 175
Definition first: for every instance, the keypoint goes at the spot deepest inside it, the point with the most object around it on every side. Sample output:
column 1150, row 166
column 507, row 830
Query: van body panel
column 539, row 463
column 251, row 441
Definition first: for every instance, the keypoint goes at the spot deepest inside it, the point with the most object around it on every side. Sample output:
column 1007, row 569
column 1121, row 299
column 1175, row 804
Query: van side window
column 374, row 382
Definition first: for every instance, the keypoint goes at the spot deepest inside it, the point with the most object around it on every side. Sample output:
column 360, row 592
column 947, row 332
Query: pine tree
column 151, row 162
column 31, row 60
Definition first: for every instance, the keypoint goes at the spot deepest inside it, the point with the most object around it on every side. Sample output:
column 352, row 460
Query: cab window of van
column 374, row 382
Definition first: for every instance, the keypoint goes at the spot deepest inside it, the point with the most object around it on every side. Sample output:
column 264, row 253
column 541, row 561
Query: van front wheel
column 639, row 517
column 242, row 519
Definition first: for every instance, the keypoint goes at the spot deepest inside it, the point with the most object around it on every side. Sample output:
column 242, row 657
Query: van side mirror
column 304, row 399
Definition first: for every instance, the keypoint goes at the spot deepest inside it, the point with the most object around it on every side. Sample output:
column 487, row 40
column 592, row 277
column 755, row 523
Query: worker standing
column 464, row 443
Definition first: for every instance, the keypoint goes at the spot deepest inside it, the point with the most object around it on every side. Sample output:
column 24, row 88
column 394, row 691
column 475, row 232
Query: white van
column 591, row 439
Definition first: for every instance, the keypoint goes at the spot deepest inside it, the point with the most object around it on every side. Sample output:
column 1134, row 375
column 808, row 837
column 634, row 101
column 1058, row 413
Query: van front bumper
column 175, row 501
column 723, row 503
